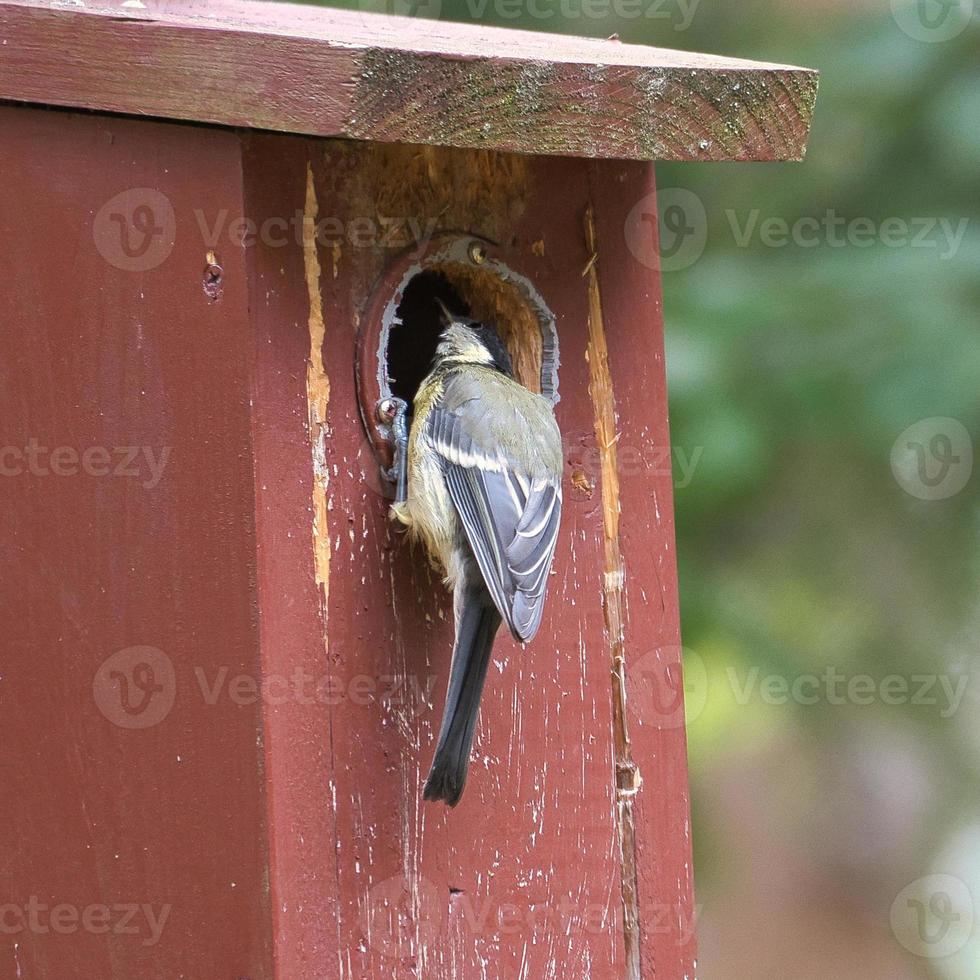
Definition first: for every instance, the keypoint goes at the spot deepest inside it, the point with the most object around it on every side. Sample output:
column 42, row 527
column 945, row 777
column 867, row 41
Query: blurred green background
column 837, row 828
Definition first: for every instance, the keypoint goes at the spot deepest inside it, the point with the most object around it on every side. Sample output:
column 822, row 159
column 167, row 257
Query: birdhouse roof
column 370, row 76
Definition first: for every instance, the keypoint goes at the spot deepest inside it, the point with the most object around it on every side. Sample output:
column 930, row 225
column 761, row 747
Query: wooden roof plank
column 326, row 72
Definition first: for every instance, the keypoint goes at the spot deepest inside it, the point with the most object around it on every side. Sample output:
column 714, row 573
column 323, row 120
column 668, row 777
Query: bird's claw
column 394, row 411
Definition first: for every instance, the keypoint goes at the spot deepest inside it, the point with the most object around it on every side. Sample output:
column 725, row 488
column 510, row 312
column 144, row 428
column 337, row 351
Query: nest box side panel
column 553, row 863
column 629, row 389
column 133, row 793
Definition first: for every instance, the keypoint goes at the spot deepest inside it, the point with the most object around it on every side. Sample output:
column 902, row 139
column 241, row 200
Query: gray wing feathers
column 529, row 555
column 469, row 494
column 511, row 519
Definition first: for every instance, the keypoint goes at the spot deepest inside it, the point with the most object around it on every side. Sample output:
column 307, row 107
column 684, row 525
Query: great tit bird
column 484, row 462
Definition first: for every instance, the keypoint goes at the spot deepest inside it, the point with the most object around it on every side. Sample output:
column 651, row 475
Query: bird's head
column 466, row 341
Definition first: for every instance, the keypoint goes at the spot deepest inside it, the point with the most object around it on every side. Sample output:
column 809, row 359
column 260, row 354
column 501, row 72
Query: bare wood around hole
column 310, row 70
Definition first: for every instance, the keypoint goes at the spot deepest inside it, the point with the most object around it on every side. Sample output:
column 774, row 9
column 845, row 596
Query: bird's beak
column 445, row 315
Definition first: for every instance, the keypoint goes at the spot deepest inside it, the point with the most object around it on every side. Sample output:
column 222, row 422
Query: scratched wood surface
column 312, row 70
column 275, row 807
column 129, row 524
column 569, row 854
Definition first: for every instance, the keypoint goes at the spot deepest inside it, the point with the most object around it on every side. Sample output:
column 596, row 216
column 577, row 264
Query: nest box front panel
column 569, row 852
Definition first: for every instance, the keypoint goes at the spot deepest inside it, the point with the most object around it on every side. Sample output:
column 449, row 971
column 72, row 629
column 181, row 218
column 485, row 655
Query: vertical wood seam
column 627, row 774
column 317, row 391
column 318, row 400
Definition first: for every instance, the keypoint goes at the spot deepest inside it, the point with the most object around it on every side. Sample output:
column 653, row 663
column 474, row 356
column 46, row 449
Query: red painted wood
column 523, row 878
column 654, row 698
column 311, row 70
column 97, row 359
column 300, row 760
column 531, row 851
column 289, row 838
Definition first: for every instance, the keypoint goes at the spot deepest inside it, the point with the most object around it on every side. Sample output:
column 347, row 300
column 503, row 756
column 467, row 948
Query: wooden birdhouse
column 225, row 229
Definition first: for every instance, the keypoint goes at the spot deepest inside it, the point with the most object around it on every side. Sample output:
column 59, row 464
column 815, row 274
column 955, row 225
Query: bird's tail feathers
column 477, row 625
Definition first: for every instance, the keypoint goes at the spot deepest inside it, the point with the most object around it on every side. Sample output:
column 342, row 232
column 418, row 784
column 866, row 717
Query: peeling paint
column 628, row 778
column 317, row 391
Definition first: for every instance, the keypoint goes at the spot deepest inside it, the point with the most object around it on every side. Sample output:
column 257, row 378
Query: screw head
column 477, row 253
column 212, row 268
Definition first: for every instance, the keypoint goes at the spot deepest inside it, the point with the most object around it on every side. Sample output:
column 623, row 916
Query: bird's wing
column 510, row 517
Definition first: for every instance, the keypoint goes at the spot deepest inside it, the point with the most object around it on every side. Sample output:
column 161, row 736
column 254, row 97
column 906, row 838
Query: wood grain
column 525, row 878
column 101, row 352
column 286, row 832
column 654, row 793
column 327, row 72
column 289, row 400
